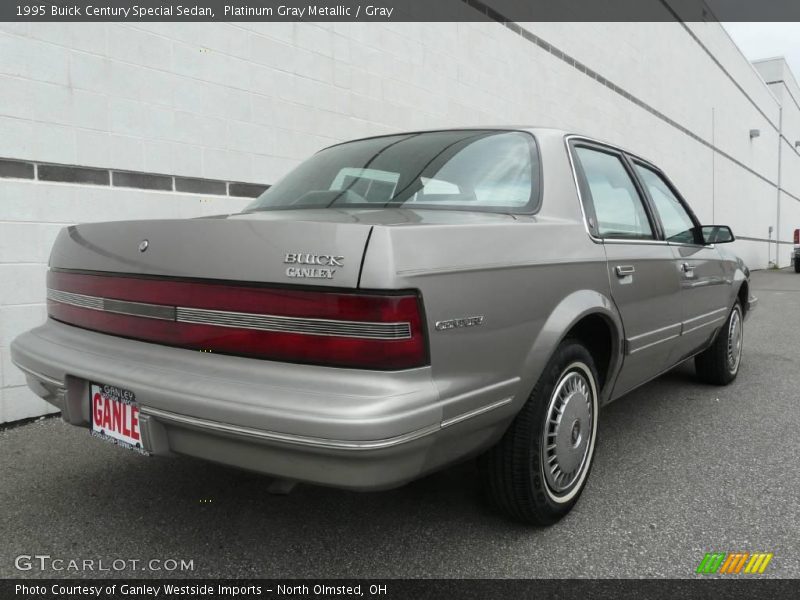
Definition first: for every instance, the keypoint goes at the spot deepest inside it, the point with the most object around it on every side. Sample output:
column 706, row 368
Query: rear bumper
column 339, row 427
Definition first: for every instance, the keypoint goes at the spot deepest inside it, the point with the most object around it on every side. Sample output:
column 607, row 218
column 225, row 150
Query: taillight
column 797, row 236
column 359, row 330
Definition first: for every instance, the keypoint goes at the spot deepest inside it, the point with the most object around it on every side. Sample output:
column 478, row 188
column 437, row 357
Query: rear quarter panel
column 530, row 278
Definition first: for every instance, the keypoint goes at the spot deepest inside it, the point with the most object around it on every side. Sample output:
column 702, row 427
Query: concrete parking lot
column 682, row 469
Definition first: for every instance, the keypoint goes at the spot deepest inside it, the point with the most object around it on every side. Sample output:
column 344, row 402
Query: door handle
column 624, row 270
column 687, row 268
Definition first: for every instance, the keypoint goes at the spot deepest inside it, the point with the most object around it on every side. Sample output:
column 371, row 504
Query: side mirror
column 716, row 234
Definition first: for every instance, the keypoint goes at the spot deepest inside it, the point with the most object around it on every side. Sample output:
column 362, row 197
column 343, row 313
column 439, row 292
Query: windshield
column 494, row 171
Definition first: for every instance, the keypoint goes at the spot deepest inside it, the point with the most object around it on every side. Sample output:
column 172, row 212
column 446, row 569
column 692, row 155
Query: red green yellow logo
column 733, row 563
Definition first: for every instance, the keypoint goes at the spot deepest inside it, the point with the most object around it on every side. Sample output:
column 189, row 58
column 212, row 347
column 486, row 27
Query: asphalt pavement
column 681, row 469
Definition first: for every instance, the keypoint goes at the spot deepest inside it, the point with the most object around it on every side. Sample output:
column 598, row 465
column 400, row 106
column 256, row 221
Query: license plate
column 115, row 416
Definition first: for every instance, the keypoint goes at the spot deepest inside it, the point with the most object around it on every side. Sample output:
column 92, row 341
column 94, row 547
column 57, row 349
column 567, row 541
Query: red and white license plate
column 115, row 416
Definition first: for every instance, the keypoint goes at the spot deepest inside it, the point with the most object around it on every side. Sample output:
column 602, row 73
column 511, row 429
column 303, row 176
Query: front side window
column 468, row 170
column 678, row 224
column 617, row 205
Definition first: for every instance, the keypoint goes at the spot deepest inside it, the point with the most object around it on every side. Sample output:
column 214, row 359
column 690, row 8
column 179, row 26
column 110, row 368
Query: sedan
column 392, row 306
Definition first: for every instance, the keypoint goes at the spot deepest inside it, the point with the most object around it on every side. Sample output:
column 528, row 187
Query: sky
column 767, row 40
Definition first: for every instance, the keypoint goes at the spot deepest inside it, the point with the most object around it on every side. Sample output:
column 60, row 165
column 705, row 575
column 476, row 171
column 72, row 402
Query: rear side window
column 618, row 207
column 486, row 170
column 678, row 224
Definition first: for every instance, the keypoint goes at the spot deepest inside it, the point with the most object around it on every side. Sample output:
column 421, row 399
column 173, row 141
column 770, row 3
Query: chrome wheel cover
column 735, row 338
column 569, row 432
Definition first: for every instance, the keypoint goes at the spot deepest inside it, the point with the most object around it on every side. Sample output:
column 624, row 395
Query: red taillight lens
column 797, row 236
column 373, row 331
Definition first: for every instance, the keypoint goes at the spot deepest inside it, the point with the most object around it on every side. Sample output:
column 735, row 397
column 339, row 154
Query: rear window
column 494, row 171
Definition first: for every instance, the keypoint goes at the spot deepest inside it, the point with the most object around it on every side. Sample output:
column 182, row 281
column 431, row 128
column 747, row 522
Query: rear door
column 705, row 289
column 644, row 282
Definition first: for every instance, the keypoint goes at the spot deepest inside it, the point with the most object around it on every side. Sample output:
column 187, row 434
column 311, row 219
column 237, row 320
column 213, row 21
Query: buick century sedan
column 392, row 306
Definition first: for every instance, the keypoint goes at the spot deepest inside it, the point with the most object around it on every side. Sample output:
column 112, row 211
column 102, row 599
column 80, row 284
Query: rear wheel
column 537, row 471
column 719, row 364
column 797, row 265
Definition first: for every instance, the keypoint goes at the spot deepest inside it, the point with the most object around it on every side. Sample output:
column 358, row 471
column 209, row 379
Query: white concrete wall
column 783, row 85
column 247, row 101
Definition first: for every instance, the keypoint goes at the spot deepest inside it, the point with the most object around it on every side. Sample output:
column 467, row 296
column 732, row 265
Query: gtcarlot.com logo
column 734, row 563
column 45, row 562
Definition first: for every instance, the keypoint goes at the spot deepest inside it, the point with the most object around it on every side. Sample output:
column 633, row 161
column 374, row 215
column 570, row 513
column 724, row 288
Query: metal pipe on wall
column 778, row 211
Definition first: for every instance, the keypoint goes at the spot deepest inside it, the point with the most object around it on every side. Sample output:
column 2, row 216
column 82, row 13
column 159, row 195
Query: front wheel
column 719, row 364
column 537, row 471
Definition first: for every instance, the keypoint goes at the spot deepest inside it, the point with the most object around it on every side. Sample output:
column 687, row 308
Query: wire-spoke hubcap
column 568, row 430
column 734, row 340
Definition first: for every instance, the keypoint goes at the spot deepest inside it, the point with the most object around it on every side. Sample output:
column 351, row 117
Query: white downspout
column 778, row 215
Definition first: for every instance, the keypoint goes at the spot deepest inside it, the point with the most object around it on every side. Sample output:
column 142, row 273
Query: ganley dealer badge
column 312, row 266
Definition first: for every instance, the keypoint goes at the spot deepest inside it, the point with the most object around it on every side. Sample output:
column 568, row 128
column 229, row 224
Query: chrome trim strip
column 81, row 300
column 567, row 139
column 110, row 305
column 224, row 318
column 706, row 324
column 54, row 382
column 289, row 438
column 651, row 344
column 633, row 339
column 316, row 442
column 690, row 245
column 139, row 309
column 682, row 330
column 713, row 321
column 704, row 315
column 636, row 241
column 326, row 327
column 659, row 330
column 476, row 412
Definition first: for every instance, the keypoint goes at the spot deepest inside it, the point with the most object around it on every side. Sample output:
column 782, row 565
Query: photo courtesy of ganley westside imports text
column 209, row 590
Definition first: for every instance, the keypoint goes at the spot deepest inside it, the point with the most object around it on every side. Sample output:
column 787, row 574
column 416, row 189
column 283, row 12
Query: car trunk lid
column 236, row 249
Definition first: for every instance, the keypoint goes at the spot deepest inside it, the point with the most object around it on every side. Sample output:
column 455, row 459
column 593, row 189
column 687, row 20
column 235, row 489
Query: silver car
column 393, row 305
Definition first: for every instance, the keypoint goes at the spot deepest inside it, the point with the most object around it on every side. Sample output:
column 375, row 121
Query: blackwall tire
column 538, row 470
column 720, row 364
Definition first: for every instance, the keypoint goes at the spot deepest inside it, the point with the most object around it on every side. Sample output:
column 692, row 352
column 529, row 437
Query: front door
column 706, row 291
column 705, row 288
